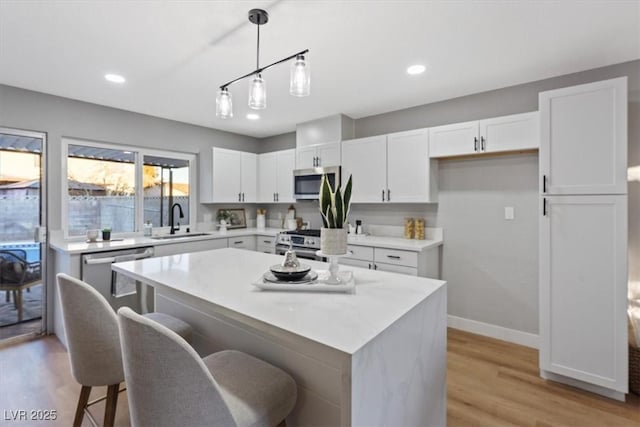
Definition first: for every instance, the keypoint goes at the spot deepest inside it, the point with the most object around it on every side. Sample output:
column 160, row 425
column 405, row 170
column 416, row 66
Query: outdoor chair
column 16, row 274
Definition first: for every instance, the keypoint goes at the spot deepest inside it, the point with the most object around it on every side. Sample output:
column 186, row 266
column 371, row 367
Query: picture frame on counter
column 237, row 218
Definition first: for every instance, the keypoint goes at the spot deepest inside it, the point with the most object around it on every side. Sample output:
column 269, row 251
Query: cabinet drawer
column 396, row 257
column 355, row 262
column 410, row 271
column 361, row 252
column 266, row 240
column 246, row 242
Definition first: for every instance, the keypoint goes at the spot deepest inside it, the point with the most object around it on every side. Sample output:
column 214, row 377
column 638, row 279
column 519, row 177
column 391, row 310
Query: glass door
column 22, row 234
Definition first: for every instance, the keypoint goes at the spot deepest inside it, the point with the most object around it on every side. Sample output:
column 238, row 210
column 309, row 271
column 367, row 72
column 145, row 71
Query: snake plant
column 334, row 206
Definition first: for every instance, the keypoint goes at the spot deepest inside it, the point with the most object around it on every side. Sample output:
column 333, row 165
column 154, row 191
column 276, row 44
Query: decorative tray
column 317, row 285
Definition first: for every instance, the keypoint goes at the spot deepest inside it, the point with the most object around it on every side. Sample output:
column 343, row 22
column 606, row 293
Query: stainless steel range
column 304, row 242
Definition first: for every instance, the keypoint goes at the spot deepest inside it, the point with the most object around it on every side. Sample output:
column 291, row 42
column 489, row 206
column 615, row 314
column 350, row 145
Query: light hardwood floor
column 489, row 383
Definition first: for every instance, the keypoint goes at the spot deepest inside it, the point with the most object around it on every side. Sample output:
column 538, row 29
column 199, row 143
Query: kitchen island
column 374, row 357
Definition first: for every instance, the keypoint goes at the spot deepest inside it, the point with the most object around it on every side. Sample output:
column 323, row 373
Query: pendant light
column 224, row 104
column 257, row 93
column 300, row 84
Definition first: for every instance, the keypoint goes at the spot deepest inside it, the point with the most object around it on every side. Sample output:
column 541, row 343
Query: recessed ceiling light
column 416, row 69
column 114, row 78
column 253, row 116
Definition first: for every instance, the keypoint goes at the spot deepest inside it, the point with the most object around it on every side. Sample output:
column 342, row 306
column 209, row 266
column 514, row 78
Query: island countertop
column 342, row 321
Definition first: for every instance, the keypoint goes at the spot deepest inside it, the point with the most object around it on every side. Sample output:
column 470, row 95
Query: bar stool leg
column 82, row 403
column 112, row 402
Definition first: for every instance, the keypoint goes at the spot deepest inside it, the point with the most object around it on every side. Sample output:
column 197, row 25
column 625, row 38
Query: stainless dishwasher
column 119, row 290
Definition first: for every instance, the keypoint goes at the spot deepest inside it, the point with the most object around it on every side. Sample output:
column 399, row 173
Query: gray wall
column 277, row 142
column 63, row 117
column 491, row 264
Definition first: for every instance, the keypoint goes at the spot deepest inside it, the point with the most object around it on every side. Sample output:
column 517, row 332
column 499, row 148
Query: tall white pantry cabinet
column 583, row 236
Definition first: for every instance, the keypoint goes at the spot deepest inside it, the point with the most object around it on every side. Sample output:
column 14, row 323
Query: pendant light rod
column 259, row 70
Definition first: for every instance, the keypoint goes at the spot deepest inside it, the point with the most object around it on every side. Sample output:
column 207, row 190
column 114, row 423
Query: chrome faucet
column 173, row 227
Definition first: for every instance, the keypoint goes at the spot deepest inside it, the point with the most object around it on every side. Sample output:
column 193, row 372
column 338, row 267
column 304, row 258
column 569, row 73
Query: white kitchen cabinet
column 392, row 168
column 192, row 246
column 320, row 155
column 583, row 289
column 411, row 174
column 516, row 132
column 249, row 177
column 243, row 242
column 454, row 140
column 275, row 176
column 266, row 244
column 366, row 160
column 584, row 139
column 228, row 177
column 424, row 263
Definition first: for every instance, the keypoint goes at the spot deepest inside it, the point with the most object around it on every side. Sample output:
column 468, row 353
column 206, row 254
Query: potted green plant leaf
column 334, row 208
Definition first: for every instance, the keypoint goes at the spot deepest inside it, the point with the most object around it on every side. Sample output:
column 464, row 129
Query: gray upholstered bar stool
column 91, row 326
column 168, row 384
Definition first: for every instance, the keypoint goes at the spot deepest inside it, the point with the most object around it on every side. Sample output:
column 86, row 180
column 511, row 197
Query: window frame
column 139, row 153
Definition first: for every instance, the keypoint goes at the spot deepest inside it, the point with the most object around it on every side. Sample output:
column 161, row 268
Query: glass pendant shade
column 258, row 93
column 224, row 104
column 300, row 84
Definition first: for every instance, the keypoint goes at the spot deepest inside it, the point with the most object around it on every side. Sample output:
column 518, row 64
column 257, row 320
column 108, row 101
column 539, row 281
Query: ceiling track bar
column 259, row 70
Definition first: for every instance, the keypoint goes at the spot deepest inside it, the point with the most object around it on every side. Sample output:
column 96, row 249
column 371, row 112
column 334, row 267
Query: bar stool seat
column 168, row 384
column 176, row 325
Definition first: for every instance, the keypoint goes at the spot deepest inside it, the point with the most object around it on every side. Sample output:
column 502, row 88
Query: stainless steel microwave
column 306, row 182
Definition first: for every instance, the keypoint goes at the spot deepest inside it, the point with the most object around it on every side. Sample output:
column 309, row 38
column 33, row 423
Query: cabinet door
column 409, row 174
column 510, row 133
column 267, row 167
column 583, row 139
column 366, row 160
column 249, row 180
column 305, row 157
column 226, row 176
column 329, row 154
column 454, row 140
column 286, row 165
column 583, row 289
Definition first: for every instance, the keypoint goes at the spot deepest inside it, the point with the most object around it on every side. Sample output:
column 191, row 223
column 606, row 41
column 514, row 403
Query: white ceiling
column 175, row 54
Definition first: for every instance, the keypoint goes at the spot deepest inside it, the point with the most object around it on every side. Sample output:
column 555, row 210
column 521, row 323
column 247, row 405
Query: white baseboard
column 498, row 332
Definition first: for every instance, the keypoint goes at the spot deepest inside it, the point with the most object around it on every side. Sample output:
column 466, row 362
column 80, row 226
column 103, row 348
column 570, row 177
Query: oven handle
column 281, row 249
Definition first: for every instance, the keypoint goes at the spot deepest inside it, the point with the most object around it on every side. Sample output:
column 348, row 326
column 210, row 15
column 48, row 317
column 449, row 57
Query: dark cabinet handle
column 375, row 267
column 544, row 183
column 267, row 241
column 277, row 197
column 544, row 206
column 383, row 194
column 393, row 256
column 475, row 143
column 388, row 195
column 243, row 197
column 239, row 242
column 369, row 266
column 239, row 197
column 318, row 161
column 482, row 143
column 274, row 197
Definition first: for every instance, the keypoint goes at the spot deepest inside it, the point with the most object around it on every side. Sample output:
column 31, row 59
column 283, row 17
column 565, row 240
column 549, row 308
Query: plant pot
column 106, row 235
column 333, row 241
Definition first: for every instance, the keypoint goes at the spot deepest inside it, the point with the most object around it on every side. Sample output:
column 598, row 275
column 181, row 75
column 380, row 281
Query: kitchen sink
column 179, row 236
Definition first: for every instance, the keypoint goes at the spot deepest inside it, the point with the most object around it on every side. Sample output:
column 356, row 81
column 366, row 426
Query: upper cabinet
column 584, row 139
column 320, row 155
column 228, row 176
column 390, row 168
column 275, row 176
column 500, row 134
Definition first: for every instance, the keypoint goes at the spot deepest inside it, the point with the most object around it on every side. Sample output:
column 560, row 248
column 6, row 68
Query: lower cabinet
column 244, row 242
column 266, row 244
column 583, row 290
column 424, row 264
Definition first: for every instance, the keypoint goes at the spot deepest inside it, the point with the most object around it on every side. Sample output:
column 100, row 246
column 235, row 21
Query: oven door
column 306, row 182
column 304, row 253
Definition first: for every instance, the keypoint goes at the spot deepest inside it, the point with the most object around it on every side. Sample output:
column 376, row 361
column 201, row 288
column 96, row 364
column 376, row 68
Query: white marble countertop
column 345, row 322
column 81, row 246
